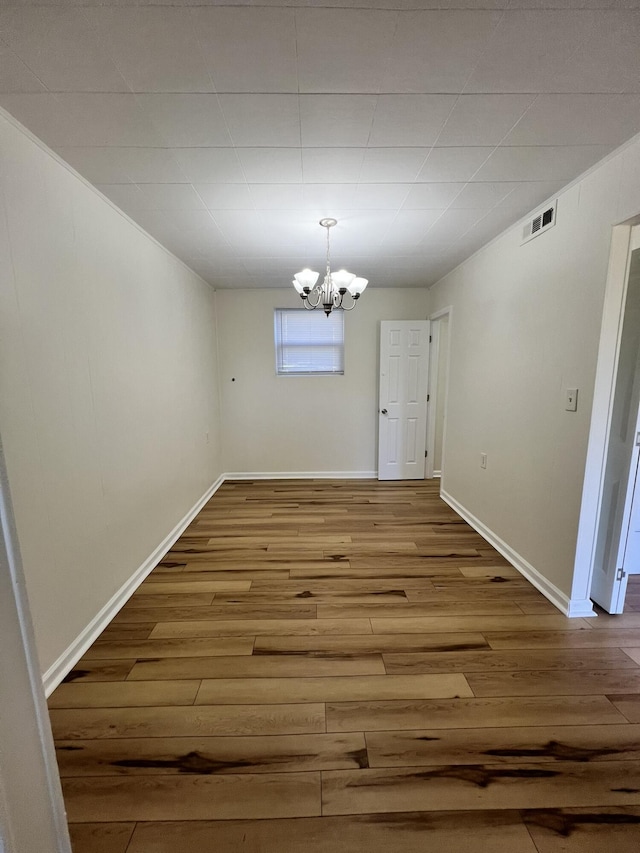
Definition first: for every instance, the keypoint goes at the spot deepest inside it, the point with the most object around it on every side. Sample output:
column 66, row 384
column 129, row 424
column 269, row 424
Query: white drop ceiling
column 228, row 129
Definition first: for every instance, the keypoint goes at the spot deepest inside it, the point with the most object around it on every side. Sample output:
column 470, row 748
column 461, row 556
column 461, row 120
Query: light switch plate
column 571, row 400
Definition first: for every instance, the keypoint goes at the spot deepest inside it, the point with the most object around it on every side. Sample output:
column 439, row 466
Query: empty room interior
column 319, row 426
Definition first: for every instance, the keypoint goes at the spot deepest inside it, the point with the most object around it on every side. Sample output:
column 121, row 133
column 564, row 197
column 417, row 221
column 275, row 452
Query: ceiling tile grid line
column 460, row 237
column 228, row 129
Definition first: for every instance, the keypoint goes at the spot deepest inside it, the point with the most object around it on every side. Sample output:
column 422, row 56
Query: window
column 308, row 341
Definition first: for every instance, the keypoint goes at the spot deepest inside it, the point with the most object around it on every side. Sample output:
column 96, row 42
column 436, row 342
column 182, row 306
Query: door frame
column 29, row 771
column 632, row 495
column 433, row 390
column 601, row 416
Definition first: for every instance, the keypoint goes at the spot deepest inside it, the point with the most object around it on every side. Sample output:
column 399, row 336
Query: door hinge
column 428, row 397
column 620, row 574
column 426, row 453
column 430, row 338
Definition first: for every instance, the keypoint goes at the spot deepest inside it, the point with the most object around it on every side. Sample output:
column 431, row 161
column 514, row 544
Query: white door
column 609, row 583
column 630, row 545
column 402, row 418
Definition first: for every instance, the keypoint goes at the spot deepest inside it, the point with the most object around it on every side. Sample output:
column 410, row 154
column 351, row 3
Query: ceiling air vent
column 543, row 220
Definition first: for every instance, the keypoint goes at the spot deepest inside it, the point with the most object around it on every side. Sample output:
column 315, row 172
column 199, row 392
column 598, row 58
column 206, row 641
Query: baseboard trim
column 302, row 475
column 570, row 607
column 68, row 659
column 580, row 607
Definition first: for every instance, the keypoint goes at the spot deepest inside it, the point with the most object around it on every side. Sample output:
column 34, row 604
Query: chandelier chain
column 328, row 251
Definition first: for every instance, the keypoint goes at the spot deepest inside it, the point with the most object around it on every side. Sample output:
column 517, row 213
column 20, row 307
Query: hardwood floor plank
column 124, row 694
column 391, row 547
column 172, row 599
column 554, row 682
column 350, row 644
column 100, row 837
column 170, row 648
column 586, row 639
column 494, row 580
column 211, row 755
column 382, row 560
column 373, row 560
column 476, row 623
column 109, row 798
column 265, row 666
column 296, row 543
column 489, row 786
column 205, row 720
column 536, row 606
column 462, row 713
column 446, row 832
column 182, row 587
column 138, row 631
column 507, row 745
column 392, row 533
column 257, row 627
column 263, row 568
column 441, row 549
column 340, row 585
column 224, row 612
column 277, row 517
column 252, row 556
column 585, row 830
column 634, row 654
column 103, row 670
column 332, row 689
column 460, row 592
column 196, row 575
column 373, row 573
column 262, row 563
column 605, row 622
column 509, row 661
column 434, row 608
column 388, row 595
column 628, row 704
column 519, row 596
column 214, row 572
column 489, row 573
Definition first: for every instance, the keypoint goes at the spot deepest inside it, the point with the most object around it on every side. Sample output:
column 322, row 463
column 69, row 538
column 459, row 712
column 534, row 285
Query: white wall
column 108, row 388
column 525, row 327
column 302, row 424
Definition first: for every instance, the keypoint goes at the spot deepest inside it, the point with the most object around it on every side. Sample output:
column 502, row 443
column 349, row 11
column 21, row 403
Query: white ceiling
column 228, row 129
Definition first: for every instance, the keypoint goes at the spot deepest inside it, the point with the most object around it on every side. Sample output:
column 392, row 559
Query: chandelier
column 330, row 294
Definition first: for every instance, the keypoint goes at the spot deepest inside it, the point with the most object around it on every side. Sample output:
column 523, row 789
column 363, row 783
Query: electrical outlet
column 571, row 400
column 483, row 460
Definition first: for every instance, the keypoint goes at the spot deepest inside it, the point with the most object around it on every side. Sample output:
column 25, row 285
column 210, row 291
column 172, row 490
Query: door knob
column 384, row 411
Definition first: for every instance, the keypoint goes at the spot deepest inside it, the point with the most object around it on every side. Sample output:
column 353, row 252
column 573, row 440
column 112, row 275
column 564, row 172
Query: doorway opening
column 605, row 555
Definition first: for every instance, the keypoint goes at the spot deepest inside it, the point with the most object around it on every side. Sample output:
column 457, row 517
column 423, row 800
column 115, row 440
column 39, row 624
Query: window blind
column 309, row 341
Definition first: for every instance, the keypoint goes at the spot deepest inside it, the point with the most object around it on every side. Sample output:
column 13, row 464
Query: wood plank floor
column 346, row 666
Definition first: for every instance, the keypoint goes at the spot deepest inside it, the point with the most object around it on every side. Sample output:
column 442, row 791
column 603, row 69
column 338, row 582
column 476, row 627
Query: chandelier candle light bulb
column 330, row 294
